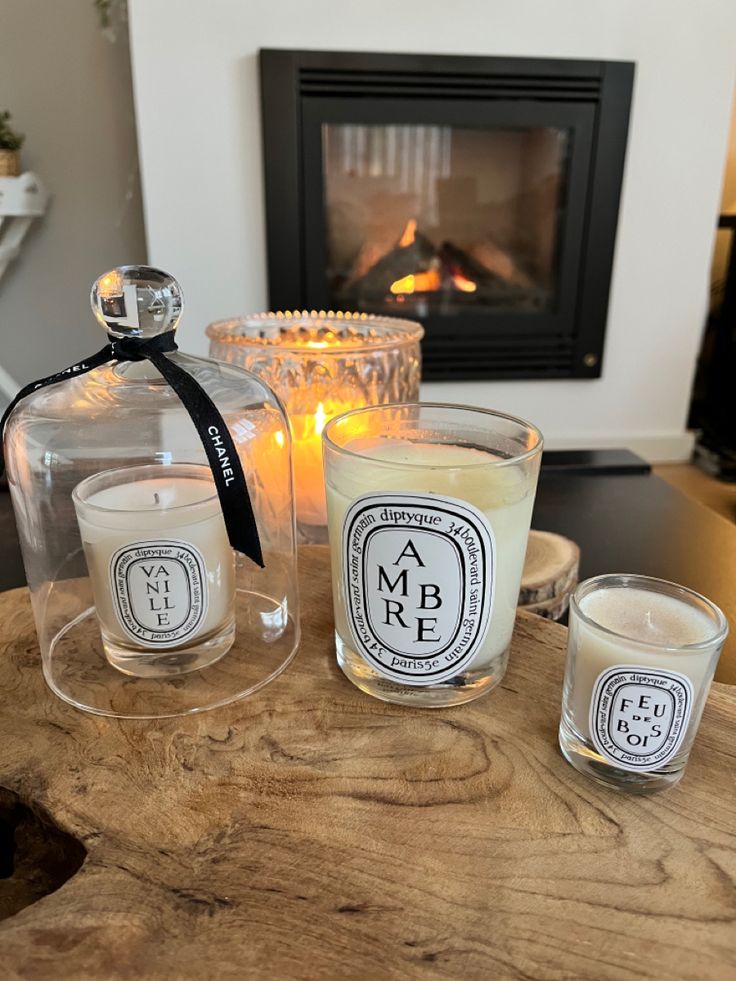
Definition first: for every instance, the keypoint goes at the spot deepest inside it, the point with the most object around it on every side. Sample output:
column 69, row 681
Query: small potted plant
column 10, row 144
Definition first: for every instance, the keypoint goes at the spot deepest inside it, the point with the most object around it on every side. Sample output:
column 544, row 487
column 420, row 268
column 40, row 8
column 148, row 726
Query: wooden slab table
column 313, row 832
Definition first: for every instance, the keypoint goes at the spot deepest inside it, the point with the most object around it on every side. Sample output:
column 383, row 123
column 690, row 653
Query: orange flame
column 409, row 233
column 422, row 282
column 463, row 283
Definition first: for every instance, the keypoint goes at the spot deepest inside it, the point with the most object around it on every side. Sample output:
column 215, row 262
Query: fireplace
column 477, row 195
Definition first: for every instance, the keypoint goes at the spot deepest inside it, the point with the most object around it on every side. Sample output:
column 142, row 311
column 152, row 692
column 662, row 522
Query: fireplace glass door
column 432, row 219
column 464, row 216
column 478, row 196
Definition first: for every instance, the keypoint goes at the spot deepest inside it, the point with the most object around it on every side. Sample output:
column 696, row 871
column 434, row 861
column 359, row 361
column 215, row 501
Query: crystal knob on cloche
column 137, row 301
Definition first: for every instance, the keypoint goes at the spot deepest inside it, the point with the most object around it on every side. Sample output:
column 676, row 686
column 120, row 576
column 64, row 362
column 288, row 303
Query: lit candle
column 161, row 567
column 311, row 506
column 322, row 365
column 428, row 542
column 641, row 657
column 311, row 500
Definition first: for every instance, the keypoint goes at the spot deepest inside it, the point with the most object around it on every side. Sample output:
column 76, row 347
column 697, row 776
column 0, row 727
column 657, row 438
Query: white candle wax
column 504, row 495
column 159, row 559
column 651, row 621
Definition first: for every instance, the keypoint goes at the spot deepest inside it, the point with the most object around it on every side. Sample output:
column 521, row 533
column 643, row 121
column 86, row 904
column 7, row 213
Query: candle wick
column 156, row 498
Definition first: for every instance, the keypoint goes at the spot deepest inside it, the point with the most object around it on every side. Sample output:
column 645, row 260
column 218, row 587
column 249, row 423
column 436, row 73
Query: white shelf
column 21, row 200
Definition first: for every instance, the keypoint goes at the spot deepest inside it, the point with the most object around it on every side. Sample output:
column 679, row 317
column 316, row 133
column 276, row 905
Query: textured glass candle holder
column 322, row 364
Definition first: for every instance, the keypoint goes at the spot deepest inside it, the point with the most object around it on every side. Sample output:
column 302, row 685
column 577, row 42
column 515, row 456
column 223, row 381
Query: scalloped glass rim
column 390, row 331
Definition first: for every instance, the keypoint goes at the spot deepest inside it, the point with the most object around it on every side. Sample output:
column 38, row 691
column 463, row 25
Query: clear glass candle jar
column 641, row 656
column 429, row 510
column 142, row 608
column 322, row 364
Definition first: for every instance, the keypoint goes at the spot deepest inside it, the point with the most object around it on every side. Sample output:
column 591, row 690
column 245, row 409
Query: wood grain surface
column 311, row 832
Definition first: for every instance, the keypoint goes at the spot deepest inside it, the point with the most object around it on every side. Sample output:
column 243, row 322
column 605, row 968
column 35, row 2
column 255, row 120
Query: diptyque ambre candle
column 429, row 509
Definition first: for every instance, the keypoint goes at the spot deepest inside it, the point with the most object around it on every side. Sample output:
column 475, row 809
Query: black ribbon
column 227, row 470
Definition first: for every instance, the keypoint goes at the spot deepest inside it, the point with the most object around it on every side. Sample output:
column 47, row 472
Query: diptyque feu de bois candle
column 641, row 656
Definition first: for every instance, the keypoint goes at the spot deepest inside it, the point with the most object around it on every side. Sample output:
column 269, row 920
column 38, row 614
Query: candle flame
column 280, row 439
column 320, row 418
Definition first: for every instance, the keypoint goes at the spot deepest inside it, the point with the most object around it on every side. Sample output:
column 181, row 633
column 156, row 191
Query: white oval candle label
column 418, row 579
column 639, row 716
column 160, row 591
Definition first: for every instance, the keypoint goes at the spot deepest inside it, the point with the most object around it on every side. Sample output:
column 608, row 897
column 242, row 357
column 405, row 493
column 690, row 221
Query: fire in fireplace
column 477, row 195
column 415, row 266
column 435, row 219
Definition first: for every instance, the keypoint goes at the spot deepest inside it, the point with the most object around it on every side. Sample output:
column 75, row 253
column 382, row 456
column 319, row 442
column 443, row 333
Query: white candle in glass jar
column 641, row 655
column 644, row 630
column 159, row 559
column 504, row 496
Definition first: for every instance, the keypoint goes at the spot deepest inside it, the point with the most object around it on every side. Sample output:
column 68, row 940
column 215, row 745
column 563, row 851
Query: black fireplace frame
column 302, row 89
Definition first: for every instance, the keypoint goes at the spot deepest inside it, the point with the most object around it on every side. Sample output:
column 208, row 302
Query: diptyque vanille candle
column 429, row 510
column 160, row 565
column 136, row 529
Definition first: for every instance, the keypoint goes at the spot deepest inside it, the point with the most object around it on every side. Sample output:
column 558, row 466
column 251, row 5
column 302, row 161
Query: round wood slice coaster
column 550, row 569
column 553, row 609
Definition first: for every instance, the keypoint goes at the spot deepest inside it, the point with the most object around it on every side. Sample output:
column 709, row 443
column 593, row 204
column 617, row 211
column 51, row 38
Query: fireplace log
column 458, row 261
column 499, row 262
column 400, row 261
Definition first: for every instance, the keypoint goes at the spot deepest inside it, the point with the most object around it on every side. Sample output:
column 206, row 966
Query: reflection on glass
column 433, row 219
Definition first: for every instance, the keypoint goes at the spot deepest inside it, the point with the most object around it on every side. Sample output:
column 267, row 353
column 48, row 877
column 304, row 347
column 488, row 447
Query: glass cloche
column 143, row 608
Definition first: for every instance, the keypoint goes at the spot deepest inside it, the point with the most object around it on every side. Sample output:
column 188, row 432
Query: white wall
column 197, row 98
column 69, row 90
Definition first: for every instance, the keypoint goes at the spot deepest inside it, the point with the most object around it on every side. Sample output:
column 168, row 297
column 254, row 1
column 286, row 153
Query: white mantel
column 197, row 99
